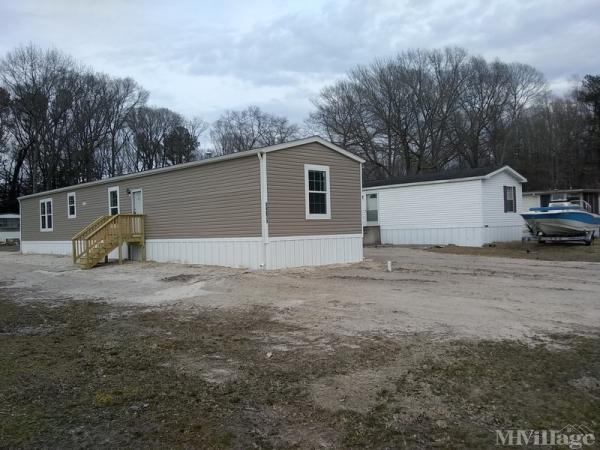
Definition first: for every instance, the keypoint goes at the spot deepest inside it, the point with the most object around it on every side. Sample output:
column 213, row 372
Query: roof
column 254, row 152
column 560, row 191
column 477, row 173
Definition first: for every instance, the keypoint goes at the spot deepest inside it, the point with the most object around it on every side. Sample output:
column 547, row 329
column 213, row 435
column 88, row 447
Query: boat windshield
column 581, row 204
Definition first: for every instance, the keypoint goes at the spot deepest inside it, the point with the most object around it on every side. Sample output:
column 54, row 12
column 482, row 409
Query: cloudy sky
column 203, row 57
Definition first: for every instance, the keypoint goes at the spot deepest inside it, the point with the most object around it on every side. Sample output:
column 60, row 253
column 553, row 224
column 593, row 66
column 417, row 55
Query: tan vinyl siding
column 285, row 178
column 206, row 201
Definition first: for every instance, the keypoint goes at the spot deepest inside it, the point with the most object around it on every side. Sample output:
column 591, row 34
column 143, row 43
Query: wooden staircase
column 105, row 234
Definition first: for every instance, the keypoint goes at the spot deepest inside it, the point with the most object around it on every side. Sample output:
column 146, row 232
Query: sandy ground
column 448, row 296
column 439, row 352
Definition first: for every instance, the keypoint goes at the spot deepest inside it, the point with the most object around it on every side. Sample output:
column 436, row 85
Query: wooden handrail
column 91, row 226
column 105, row 234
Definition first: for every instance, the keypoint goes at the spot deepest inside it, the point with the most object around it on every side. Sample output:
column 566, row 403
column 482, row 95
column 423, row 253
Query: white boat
column 569, row 219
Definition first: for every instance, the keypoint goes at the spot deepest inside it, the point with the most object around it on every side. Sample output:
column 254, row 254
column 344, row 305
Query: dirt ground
column 440, row 352
column 530, row 250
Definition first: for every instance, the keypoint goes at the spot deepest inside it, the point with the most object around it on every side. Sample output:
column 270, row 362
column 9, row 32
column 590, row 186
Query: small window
column 71, row 205
column 9, row 224
column 559, row 197
column 113, row 201
column 46, row 215
column 372, row 215
column 317, row 195
column 510, row 199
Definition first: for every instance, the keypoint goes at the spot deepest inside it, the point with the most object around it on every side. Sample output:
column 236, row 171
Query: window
column 317, row 194
column 510, row 199
column 372, row 215
column 71, row 205
column 558, row 197
column 9, row 224
column 46, row 215
column 113, row 200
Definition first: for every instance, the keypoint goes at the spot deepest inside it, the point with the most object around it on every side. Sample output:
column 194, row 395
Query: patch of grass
column 107, row 376
column 484, row 387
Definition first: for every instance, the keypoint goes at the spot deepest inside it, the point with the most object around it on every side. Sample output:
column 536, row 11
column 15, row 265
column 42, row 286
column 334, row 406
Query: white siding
column 4, row 235
column 530, row 201
column 499, row 225
column 436, row 213
column 467, row 212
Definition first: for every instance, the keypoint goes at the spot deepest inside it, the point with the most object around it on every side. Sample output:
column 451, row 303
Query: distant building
column 469, row 207
column 10, row 227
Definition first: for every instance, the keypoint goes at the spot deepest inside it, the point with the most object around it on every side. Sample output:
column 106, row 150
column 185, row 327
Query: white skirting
column 4, row 235
column 59, row 248
column 253, row 253
column 47, row 247
column 463, row 236
column 296, row 251
column 279, row 252
column 230, row 252
column 506, row 233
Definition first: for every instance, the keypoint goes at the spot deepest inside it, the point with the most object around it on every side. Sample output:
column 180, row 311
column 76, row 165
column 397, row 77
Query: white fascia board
column 420, row 183
column 510, row 170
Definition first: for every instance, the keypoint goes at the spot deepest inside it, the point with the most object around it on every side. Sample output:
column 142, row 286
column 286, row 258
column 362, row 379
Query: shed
column 469, row 207
column 292, row 204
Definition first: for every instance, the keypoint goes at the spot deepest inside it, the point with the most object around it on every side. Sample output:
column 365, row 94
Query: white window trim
column 69, row 195
column 46, row 200
column 371, row 222
column 112, row 189
column 325, row 169
column 141, row 197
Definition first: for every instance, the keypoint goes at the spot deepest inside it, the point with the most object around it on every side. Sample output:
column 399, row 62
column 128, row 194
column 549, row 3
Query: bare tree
column 238, row 131
column 61, row 124
column 161, row 137
column 427, row 110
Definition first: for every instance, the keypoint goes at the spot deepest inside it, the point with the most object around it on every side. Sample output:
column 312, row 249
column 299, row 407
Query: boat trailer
column 586, row 238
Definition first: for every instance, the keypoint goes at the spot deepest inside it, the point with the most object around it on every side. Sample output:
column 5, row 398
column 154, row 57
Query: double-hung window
column 510, row 199
column 71, row 205
column 317, row 192
column 46, row 215
column 113, row 200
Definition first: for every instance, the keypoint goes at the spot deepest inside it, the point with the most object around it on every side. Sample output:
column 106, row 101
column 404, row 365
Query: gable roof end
column 511, row 171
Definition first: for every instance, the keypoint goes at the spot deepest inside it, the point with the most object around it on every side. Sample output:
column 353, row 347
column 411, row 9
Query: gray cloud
column 203, row 58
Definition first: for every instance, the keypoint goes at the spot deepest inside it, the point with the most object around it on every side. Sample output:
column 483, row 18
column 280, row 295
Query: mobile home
column 469, row 207
column 9, row 227
column 293, row 204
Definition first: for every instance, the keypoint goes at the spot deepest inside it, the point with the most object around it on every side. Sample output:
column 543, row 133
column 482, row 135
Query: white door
column 137, row 202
